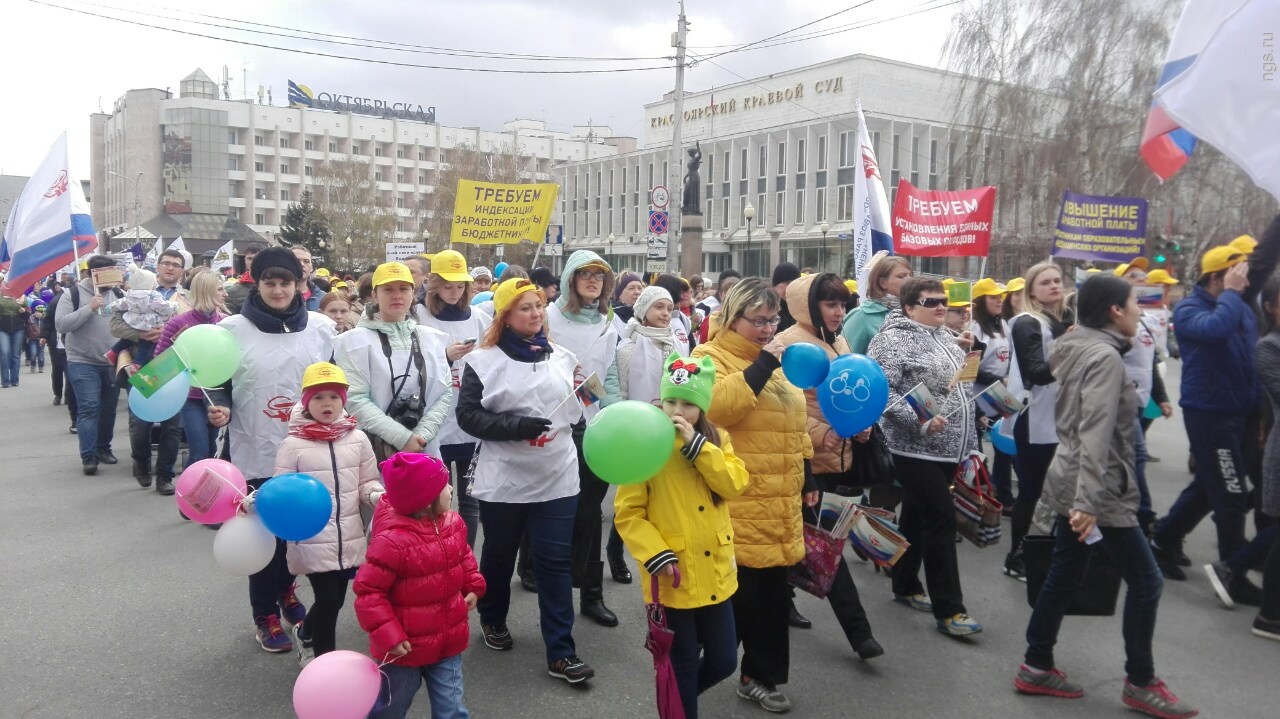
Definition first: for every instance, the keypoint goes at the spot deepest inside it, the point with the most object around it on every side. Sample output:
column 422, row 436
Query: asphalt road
column 112, row 606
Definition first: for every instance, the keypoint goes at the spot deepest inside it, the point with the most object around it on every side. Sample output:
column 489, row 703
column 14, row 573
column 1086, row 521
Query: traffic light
column 1160, row 257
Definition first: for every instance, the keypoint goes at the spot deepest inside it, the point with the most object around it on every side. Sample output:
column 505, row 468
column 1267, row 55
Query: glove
column 533, row 427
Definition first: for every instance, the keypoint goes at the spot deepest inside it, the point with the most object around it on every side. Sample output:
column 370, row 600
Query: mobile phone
column 469, row 341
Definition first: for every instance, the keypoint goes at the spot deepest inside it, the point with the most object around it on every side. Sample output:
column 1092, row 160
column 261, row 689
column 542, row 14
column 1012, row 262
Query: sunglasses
column 932, row 303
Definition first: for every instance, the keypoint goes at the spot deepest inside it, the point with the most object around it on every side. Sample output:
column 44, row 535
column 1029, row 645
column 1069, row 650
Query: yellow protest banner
column 491, row 213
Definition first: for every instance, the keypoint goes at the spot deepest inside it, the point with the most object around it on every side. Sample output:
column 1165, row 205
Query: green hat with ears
column 689, row 379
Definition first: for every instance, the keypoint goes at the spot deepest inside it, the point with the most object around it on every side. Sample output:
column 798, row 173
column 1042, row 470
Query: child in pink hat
column 417, row 585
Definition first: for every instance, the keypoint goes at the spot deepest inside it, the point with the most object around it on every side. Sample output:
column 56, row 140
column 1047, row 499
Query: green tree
column 305, row 226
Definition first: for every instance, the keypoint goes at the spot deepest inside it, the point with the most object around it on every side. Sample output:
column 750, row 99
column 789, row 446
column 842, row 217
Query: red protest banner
column 939, row 223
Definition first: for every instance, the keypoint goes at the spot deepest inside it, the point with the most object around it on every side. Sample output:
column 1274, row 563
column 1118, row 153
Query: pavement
column 112, row 606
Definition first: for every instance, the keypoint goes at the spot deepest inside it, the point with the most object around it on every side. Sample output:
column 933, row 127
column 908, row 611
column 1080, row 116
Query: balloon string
column 182, row 359
column 387, row 659
column 230, row 484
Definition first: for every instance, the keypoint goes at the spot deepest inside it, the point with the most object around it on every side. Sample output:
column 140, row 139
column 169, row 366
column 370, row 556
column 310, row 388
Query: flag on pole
column 49, row 224
column 137, row 252
column 1166, row 144
column 225, row 257
column 872, row 231
column 1223, row 93
column 153, row 255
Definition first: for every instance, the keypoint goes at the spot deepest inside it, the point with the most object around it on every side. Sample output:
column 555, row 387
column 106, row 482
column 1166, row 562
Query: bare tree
column 353, row 207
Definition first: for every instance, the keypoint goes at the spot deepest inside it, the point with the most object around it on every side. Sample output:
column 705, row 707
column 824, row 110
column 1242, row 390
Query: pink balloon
column 337, row 685
column 209, row 491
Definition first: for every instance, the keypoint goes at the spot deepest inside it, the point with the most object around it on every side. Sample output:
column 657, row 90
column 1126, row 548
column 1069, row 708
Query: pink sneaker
column 1155, row 699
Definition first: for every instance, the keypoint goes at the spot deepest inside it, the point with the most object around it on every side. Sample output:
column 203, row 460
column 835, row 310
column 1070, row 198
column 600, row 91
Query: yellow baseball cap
column 508, row 291
column 1244, row 243
column 1015, row 285
column 323, row 373
column 1095, row 270
column 1221, row 258
column 451, row 265
column 392, row 272
column 1160, row 277
column 852, row 285
column 1137, row 263
column 322, row 272
column 987, row 287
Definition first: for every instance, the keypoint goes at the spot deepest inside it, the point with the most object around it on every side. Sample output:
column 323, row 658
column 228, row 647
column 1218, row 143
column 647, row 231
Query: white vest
column 682, row 326
column 472, row 328
column 267, row 384
column 1041, row 425
column 362, row 352
column 595, row 346
column 521, row 471
column 1139, row 362
column 644, row 373
column 1158, row 324
column 999, row 351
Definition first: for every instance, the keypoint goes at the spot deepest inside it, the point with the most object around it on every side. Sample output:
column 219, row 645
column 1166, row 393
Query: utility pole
column 674, row 182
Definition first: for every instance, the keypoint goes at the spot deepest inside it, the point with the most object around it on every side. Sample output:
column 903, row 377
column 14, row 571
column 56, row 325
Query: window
column 915, row 161
column 847, row 143
column 894, row 174
column 782, row 158
column 284, row 168
column 951, row 165
column 422, row 178
column 724, row 214
column 355, row 148
column 308, row 145
column 933, row 164
column 284, row 142
column 844, row 203
column 623, row 189
column 764, row 160
column 259, row 167
column 801, row 160
column 377, row 177
column 306, row 170
column 742, row 170
column 233, row 213
column 400, row 153
column 233, row 163
column 822, row 152
column 762, row 211
column 259, row 218
column 711, row 173
column 233, row 137
column 400, row 226
column 400, row 177
column 875, row 145
column 400, row 203
column 284, row 195
column 711, row 211
column 377, row 150
column 779, row 208
column 422, row 155
column 799, row 217
column 259, row 140
column 333, row 147
column 821, row 196
column 724, row 174
column 650, row 176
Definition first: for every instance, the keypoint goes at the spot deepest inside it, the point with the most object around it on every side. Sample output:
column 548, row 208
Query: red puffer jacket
column 412, row 585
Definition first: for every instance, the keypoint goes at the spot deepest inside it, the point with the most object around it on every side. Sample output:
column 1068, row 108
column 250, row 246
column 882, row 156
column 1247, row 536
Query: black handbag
column 870, row 462
column 1098, row 590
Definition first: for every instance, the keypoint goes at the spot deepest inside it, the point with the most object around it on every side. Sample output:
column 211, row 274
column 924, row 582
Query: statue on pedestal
column 691, row 204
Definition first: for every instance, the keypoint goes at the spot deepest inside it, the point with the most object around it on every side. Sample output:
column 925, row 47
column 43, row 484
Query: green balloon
column 628, row 442
column 211, row 354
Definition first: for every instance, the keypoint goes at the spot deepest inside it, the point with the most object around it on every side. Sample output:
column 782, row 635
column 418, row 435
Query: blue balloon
column 1000, row 441
column 805, row 365
column 46, row 295
column 166, row 402
column 481, row 297
column 295, row 507
column 853, row 395
column 498, row 269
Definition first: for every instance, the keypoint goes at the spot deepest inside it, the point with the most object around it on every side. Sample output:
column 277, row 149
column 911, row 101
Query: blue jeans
column 1129, row 548
column 1140, row 457
column 35, row 353
column 1218, row 484
column 96, row 400
column 202, row 437
column 457, row 457
column 166, row 450
column 704, row 651
column 11, row 347
column 444, row 688
column 550, row 526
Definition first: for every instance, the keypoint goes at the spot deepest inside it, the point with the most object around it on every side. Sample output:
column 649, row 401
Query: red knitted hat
column 413, row 481
column 310, row 392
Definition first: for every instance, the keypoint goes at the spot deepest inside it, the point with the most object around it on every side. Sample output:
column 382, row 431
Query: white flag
column 225, row 257
column 871, row 229
column 153, row 255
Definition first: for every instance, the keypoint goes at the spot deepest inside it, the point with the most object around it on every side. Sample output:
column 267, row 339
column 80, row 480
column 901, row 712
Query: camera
column 407, row 411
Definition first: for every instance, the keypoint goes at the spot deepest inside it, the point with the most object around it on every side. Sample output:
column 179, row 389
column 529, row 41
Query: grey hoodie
column 1095, row 414
column 88, row 334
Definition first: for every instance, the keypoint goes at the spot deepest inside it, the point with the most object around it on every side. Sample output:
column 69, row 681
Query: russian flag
column 48, row 226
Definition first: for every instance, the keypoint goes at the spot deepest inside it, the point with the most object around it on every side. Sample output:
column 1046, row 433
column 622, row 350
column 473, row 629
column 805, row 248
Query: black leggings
column 1032, row 464
column 321, row 624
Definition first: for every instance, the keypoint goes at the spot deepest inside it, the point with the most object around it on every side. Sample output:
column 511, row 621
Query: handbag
column 1097, row 592
column 817, row 571
column 870, row 465
column 977, row 509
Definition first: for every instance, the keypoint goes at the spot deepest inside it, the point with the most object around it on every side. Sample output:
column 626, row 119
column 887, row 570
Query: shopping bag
column 1098, row 590
column 977, row 509
column 817, row 571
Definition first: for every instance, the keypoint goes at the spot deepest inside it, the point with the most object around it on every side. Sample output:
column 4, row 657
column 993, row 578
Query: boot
column 592, row 597
column 618, row 568
column 142, row 473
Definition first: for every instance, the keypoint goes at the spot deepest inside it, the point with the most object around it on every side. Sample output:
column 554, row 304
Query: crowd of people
column 424, row 384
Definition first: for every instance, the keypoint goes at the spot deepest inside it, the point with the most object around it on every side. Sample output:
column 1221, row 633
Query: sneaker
column 1219, row 579
column 1266, row 628
column 1053, row 683
column 768, row 697
column 1015, row 567
column 919, row 602
column 291, row 609
column 1167, row 561
column 497, row 637
column 959, row 625
column 571, row 668
column 1231, row 588
column 271, row 636
column 1156, row 700
column 72, row 430
column 305, row 653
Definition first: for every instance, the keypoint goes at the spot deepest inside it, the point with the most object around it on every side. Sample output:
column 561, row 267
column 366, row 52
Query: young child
column 35, row 346
column 142, row 308
column 413, row 595
column 680, row 519
column 646, row 339
column 323, row 442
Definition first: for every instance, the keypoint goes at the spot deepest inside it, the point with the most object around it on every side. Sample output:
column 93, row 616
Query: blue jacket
column 1217, row 337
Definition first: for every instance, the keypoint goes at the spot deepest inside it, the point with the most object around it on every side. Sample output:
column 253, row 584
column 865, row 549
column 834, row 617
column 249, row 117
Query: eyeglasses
column 760, row 324
column 589, row 275
column 174, row 265
column 932, row 302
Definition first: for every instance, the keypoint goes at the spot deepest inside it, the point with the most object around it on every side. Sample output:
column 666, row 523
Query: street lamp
column 350, row 265
column 611, row 239
column 748, row 212
column 136, row 229
column 824, row 228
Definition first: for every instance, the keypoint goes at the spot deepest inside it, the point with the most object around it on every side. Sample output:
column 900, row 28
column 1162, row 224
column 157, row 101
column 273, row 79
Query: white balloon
column 243, row 545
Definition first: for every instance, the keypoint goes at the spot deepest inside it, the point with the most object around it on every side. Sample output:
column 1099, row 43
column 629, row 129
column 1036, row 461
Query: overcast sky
column 60, row 66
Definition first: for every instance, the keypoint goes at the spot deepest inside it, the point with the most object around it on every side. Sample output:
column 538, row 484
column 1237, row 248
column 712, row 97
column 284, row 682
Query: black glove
column 533, row 427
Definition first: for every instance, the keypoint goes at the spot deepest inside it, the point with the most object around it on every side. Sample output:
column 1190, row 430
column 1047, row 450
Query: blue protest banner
column 1105, row 229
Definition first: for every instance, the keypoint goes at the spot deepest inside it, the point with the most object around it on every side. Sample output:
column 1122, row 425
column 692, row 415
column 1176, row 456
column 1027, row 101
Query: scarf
column 524, row 349
column 453, row 313
column 271, row 321
column 318, row 432
column 663, row 337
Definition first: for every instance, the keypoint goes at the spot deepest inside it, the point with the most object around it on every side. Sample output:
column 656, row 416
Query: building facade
column 214, row 169
column 787, row 145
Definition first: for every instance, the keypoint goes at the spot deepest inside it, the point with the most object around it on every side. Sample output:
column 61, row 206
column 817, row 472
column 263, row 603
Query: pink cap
column 413, row 481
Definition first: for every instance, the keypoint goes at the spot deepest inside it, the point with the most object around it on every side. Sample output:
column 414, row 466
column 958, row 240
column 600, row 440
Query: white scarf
column 663, row 337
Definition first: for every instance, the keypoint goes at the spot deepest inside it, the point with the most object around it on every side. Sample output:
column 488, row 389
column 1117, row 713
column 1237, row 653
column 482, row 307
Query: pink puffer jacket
column 347, row 467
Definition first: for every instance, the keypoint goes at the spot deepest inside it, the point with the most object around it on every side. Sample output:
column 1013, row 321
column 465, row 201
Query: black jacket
column 1028, row 347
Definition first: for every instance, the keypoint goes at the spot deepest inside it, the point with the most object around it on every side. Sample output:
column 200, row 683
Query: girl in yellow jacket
column 680, row 520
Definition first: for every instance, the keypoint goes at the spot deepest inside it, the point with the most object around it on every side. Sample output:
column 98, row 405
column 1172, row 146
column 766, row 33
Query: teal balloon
column 482, row 297
column 164, row 403
column 853, row 395
column 628, row 442
column 295, row 507
column 805, row 365
column 1000, row 441
column 211, row 353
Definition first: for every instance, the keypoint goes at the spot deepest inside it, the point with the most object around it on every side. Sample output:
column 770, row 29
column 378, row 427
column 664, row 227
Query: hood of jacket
column 399, row 334
column 802, row 301
column 577, row 261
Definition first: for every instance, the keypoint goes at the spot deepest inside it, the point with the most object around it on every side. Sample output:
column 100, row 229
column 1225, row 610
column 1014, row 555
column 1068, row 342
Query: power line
column 316, row 53
column 788, row 32
column 824, row 32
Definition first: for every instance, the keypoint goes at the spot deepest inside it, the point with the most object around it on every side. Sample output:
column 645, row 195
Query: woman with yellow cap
column 990, row 332
column 516, row 398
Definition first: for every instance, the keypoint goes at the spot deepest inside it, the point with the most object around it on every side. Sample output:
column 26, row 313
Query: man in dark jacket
column 784, row 274
column 58, row 357
column 237, row 293
column 1217, row 333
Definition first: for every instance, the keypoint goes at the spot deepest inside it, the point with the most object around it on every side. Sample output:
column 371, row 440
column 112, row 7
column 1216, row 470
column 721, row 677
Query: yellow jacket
column 772, row 441
column 673, row 517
